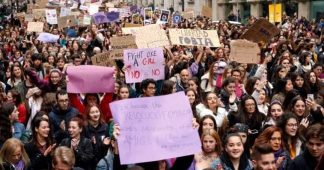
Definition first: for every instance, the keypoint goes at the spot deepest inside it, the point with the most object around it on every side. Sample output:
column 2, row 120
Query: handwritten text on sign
column 155, row 124
column 207, row 38
column 143, row 64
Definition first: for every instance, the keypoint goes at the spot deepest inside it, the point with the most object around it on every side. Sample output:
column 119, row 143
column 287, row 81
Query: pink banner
column 144, row 63
column 155, row 128
column 90, row 79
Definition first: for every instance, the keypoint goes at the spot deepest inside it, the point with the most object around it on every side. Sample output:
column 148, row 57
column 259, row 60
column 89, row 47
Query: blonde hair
column 9, row 148
column 65, row 155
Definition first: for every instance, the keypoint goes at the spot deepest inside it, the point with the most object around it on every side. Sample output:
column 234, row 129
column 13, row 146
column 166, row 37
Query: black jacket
column 305, row 161
column 83, row 154
column 37, row 159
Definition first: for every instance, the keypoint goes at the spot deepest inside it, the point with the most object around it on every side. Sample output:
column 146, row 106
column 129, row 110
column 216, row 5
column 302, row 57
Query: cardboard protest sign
column 162, row 125
column 90, row 79
column 100, row 18
column 51, row 16
column 40, row 4
column 47, row 37
column 35, row 27
column 119, row 44
column 206, row 38
column 151, row 36
column 188, row 14
column 144, row 63
column 102, row 59
column 261, row 31
column 129, row 25
column 67, row 21
column 206, row 11
column 243, row 51
column 130, row 30
column 38, row 13
column 176, row 18
column 113, row 16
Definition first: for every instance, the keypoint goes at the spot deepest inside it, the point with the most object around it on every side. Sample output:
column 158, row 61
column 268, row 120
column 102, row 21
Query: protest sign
column 160, row 124
column 47, row 37
column 86, row 20
column 40, row 4
column 65, row 11
column 90, row 79
column 51, row 16
column 261, row 31
column 102, row 59
column 38, row 13
column 130, row 30
column 93, row 9
column 206, row 11
column 176, row 18
column 188, row 14
column 35, row 27
column 119, row 44
column 144, row 63
column 100, row 18
column 164, row 17
column 206, row 38
column 113, row 16
column 67, row 21
column 151, row 36
column 243, row 51
column 129, row 25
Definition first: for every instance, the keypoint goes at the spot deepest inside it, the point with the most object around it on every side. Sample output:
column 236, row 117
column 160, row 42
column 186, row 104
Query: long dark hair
column 5, row 125
column 35, row 124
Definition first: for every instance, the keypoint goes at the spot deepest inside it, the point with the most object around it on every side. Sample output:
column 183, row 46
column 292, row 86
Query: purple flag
column 155, row 128
column 100, row 18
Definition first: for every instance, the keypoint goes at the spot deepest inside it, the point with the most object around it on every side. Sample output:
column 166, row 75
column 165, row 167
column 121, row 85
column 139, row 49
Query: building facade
column 221, row 9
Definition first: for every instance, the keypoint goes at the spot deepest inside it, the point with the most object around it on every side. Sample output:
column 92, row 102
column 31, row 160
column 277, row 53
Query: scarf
column 20, row 165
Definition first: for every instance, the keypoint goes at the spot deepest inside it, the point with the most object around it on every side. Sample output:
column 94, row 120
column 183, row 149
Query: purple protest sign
column 90, row 79
column 155, row 128
column 113, row 16
column 144, row 63
column 100, row 18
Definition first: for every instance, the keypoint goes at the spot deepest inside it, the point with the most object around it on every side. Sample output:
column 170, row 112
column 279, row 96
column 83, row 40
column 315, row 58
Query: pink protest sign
column 155, row 128
column 90, row 79
column 144, row 63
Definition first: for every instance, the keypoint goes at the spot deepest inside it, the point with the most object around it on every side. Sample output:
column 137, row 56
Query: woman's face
column 262, row 97
column 289, row 86
column 230, row 88
column 116, row 88
column 15, row 157
column 312, row 77
column 291, row 127
column 17, row 71
column 285, row 63
column 191, row 96
column 275, row 141
column 60, row 63
column 55, row 78
column 282, row 73
column 276, row 111
column 249, row 106
column 124, row 93
column 234, row 147
column 212, row 100
column 9, row 97
column 208, row 124
column 209, row 144
column 94, row 114
column 215, row 67
column 192, row 85
column 51, row 60
column 14, row 115
column 299, row 108
column 43, row 129
column 243, row 137
column 74, row 129
column 299, row 81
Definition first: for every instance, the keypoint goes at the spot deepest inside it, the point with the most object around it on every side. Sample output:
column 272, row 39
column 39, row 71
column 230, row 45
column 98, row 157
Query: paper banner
column 47, row 37
column 155, row 128
column 261, row 31
column 100, row 18
column 144, row 63
column 90, row 79
column 35, row 27
column 51, row 16
column 191, row 37
column 119, row 44
column 243, row 51
column 151, row 36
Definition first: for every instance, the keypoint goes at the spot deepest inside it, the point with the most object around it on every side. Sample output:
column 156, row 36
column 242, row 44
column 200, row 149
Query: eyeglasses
column 292, row 125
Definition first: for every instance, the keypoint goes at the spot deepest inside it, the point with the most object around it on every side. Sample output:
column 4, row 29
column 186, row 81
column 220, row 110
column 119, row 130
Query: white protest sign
column 243, row 51
column 51, row 16
column 151, row 36
column 144, row 63
column 93, row 9
column 206, row 38
column 35, row 27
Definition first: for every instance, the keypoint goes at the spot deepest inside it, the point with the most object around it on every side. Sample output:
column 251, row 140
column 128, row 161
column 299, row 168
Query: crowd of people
column 267, row 115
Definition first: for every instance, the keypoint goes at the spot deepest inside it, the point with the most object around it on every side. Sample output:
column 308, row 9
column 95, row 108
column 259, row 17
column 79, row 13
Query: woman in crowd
column 300, row 84
column 211, row 146
column 313, row 82
column 10, row 111
column 207, row 122
column 39, row 149
column 81, row 146
column 13, row 155
column 273, row 136
column 274, row 114
column 282, row 87
column 212, row 80
column 14, row 97
column 227, row 95
column 17, row 75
